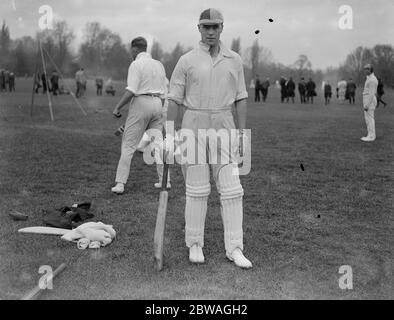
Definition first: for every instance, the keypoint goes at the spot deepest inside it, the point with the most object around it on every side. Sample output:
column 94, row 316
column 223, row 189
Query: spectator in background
column 302, row 90
column 310, row 90
column 37, row 82
column 109, row 87
column 351, row 91
column 44, row 83
column 264, row 88
column 341, row 90
column 55, row 83
column 2, row 80
column 290, row 89
column 81, row 80
column 327, row 93
column 99, row 86
column 6, row 79
column 380, row 93
column 257, row 88
column 11, row 82
column 283, row 93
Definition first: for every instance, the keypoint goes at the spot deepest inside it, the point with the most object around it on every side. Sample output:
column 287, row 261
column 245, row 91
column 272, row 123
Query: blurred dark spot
column 302, row 167
column 270, row 20
column 318, row 215
column 257, row 32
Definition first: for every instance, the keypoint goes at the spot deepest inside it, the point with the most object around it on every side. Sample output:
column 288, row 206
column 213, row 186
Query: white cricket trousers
column 369, row 117
column 197, row 178
column 145, row 112
column 370, row 122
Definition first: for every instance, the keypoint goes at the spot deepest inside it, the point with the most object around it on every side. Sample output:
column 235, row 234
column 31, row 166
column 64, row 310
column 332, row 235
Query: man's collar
column 143, row 55
column 222, row 49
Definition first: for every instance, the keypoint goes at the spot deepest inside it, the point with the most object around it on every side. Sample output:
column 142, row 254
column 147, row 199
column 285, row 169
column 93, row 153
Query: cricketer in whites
column 370, row 102
column 146, row 90
column 207, row 82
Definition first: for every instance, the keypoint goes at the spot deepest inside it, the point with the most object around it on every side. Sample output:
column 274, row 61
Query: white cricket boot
column 239, row 259
column 118, row 189
column 158, row 185
column 368, row 139
column 195, row 254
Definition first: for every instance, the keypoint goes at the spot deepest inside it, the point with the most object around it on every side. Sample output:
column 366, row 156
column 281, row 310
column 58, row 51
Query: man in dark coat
column 11, row 82
column 2, row 80
column 257, row 89
column 380, row 93
column 290, row 90
column 327, row 93
column 283, row 93
column 264, row 88
column 44, row 83
column 351, row 91
column 302, row 90
column 55, row 83
column 310, row 90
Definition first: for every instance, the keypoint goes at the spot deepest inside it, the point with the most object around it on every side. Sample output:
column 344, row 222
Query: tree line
column 102, row 52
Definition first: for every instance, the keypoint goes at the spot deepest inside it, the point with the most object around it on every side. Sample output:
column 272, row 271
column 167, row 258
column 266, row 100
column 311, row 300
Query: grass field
column 300, row 226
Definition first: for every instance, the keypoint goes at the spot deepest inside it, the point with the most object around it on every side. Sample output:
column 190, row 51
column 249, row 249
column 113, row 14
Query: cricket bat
column 158, row 241
column 45, row 230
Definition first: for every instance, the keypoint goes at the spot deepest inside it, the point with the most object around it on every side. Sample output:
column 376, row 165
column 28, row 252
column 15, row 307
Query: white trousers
column 197, row 177
column 145, row 112
column 369, row 117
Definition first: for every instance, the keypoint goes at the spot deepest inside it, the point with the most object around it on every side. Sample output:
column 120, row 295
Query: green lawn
column 300, row 226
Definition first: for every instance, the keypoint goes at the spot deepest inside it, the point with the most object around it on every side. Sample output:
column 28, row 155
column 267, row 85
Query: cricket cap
column 211, row 16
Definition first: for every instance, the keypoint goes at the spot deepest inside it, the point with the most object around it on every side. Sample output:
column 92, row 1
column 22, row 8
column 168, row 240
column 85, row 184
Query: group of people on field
column 81, row 82
column 345, row 90
column 7, row 80
column 260, row 87
column 49, row 83
column 306, row 90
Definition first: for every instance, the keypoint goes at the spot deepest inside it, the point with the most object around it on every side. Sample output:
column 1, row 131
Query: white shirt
column 342, row 85
column 370, row 88
column 146, row 76
column 200, row 83
column 80, row 76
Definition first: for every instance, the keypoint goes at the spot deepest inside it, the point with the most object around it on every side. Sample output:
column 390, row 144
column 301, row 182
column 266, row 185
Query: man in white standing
column 370, row 102
column 208, row 81
column 146, row 87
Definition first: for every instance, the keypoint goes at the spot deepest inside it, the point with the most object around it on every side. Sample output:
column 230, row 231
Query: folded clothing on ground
column 91, row 234
column 68, row 217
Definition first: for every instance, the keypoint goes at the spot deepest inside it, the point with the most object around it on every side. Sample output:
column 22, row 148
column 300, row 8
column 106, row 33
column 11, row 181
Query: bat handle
column 165, row 168
column 165, row 176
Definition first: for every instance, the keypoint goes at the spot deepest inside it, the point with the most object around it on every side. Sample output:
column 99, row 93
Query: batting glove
column 116, row 114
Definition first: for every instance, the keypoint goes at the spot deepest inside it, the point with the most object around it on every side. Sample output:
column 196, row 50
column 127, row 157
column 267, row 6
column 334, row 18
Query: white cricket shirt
column 198, row 82
column 146, row 76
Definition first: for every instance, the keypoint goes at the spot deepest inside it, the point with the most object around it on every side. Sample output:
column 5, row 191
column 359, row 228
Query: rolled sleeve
column 133, row 78
column 241, row 87
column 178, row 83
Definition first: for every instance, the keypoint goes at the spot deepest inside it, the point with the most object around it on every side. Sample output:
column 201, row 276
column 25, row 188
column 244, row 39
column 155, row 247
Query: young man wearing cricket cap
column 370, row 102
column 208, row 81
column 146, row 86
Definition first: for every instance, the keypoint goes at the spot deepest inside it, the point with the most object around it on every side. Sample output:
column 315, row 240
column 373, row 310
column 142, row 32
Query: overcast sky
column 300, row 26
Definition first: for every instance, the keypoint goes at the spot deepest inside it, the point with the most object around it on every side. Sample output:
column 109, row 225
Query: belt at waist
column 155, row 95
column 226, row 108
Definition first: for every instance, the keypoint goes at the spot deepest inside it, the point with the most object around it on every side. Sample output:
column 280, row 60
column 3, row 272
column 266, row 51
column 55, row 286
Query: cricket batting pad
column 231, row 194
column 198, row 189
